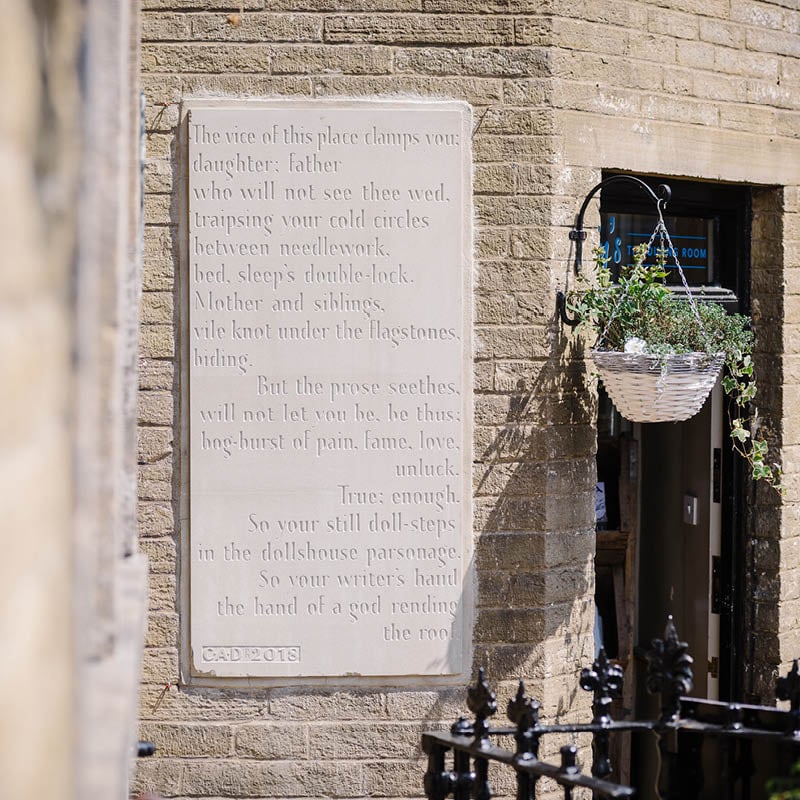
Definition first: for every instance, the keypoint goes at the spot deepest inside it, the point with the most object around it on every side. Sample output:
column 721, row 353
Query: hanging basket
column 654, row 388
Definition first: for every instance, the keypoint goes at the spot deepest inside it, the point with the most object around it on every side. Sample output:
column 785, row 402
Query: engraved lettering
column 329, row 362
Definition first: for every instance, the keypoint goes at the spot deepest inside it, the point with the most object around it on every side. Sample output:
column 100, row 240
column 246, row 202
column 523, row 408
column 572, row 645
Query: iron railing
column 681, row 730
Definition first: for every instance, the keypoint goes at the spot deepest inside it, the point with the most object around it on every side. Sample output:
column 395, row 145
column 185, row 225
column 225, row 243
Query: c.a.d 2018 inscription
column 328, row 358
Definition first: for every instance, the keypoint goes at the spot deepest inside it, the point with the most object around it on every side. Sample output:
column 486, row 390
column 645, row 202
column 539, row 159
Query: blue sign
column 692, row 238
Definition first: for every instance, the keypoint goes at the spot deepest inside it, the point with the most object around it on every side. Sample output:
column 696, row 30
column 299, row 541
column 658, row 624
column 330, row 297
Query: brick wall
column 561, row 90
column 711, row 91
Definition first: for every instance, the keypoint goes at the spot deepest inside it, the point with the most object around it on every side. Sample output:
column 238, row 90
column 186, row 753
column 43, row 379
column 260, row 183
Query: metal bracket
column 561, row 308
column 578, row 234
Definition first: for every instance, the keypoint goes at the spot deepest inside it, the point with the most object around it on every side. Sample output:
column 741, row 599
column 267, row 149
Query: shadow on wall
column 534, row 554
column 534, row 495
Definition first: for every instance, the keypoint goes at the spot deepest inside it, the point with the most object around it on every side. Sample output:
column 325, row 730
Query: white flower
column 635, row 345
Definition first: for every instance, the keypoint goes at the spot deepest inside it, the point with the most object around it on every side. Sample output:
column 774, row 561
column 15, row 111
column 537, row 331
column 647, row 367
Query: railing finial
column 669, row 671
column 482, row 702
column 523, row 711
column 605, row 680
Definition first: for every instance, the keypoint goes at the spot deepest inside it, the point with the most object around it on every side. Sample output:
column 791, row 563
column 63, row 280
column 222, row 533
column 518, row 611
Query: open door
column 679, row 552
column 693, row 569
column 680, row 536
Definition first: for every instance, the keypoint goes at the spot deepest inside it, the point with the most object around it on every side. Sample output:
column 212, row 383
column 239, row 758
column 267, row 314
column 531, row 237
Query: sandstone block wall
column 560, row 90
column 774, row 588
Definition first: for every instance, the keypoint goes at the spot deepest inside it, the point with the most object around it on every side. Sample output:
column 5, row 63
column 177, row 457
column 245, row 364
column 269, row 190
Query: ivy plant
column 639, row 313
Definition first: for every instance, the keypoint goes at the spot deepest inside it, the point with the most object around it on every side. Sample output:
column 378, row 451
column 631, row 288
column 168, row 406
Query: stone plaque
column 329, row 371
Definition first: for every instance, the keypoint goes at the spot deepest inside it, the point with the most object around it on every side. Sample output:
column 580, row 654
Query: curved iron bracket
column 578, row 234
column 561, row 308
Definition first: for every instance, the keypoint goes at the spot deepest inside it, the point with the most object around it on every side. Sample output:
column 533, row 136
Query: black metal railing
column 681, row 731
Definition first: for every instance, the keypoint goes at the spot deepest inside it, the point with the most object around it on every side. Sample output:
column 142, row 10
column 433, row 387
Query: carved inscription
column 329, row 363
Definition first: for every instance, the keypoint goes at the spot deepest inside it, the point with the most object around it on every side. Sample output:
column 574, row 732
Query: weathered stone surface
column 208, row 58
column 157, row 308
column 476, row 90
column 155, row 519
column 155, row 408
column 157, row 341
column 154, row 444
column 419, row 29
column 337, row 741
column 163, row 592
column 160, row 665
column 161, row 553
column 188, row 739
column 311, row 59
column 155, row 375
column 392, row 778
column 162, row 630
column 160, row 775
column 483, row 61
column 422, row 705
column 178, row 703
column 272, row 779
column 315, row 705
column 254, row 27
column 272, row 741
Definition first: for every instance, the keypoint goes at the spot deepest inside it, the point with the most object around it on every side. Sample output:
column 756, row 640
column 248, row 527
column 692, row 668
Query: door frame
column 731, row 205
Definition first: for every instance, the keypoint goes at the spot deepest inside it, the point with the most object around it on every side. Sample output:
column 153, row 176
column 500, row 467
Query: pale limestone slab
column 328, row 339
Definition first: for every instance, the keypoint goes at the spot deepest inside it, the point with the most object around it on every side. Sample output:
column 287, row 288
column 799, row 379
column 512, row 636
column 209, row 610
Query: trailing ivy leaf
column 740, row 434
column 761, row 470
column 745, row 393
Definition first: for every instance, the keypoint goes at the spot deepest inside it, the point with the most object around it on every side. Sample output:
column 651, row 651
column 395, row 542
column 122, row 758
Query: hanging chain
column 689, row 296
column 624, row 294
column 661, row 231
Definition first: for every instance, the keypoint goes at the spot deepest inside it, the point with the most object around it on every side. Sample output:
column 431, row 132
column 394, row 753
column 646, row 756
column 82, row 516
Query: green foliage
column 786, row 788
column 640, row 308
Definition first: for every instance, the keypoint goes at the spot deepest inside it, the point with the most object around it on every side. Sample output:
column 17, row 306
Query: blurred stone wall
column 72, row 615
column 39, row 155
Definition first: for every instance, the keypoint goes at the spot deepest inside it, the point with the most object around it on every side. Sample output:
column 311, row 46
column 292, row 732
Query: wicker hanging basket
column 648, row 387
column 654, row 388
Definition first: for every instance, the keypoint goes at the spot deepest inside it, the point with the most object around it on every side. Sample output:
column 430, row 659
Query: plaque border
column 189, row 675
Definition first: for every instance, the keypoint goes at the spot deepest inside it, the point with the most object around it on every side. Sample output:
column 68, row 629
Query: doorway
column 694, row 570
column 671, row 540
column 680, row 539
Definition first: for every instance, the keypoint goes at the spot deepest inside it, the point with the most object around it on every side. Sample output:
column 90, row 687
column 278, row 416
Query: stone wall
column 109, row 572
column 37, row 142
column 774, row 583
column 710, row 91
column 560, row 91
column 73, row 590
